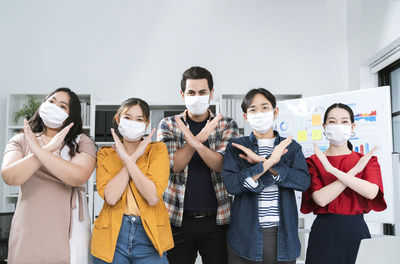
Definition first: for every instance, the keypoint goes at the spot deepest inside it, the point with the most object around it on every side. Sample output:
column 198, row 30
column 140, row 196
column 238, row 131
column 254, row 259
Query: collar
column 254, row 141
column 116, row 160
column 183, row 115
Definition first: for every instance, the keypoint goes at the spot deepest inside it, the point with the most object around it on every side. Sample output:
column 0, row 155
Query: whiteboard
column 303, row 118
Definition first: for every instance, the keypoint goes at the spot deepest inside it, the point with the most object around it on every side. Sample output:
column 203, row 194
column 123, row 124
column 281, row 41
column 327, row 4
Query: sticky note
column 302, row 135
column 316, row 134
column 316, row 120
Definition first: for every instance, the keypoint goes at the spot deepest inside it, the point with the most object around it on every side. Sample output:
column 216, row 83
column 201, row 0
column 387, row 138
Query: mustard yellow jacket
column 155, row 165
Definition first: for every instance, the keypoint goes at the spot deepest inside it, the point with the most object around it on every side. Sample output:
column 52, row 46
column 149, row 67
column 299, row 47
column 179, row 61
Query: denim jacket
column 245, row 234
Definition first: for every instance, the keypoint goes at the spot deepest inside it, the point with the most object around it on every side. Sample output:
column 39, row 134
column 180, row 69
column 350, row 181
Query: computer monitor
column 382, row 250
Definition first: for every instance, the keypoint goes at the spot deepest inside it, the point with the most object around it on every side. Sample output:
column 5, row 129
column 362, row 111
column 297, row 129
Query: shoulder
column 373, row 161
column 83, row 139
column 245, row 141
column 227, row 128
column 226, row 119
column 167, row 119
column 239, row 140
column 312, row 159
column 157, row 149
column 294, row 146
column 157, row 146
column 17, row 143
column 167, row 123
column 228, row 122
column 86, row 145
column 18, row 138
column 357, row 156
column 104, row 153
column 314, row 165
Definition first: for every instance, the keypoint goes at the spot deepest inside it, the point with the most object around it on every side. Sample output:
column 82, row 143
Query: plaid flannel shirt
column 173, row 137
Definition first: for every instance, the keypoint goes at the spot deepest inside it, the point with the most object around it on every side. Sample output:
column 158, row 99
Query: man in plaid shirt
column 196, row 198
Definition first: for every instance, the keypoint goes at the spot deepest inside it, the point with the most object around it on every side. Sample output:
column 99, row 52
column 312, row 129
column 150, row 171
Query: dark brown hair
column 128, row 103
column 196, row 73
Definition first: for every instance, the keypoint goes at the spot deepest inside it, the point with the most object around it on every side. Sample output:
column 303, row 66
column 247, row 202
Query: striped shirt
column 268, row 208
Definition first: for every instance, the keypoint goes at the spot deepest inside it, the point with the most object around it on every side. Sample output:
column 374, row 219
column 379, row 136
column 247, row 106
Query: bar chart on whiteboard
column 303, row 119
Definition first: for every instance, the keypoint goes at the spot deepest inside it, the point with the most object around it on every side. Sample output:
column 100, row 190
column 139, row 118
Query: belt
column 76, row 190
column 199, row 214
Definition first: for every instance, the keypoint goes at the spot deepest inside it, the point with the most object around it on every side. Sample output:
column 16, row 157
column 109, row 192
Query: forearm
column 145, row 186
column 21, row 170
column 327, row 194
column 212, row 159
column 68, row 172
column 267, row 164
column 116, row 187
column 182, row 158
column 360, row 186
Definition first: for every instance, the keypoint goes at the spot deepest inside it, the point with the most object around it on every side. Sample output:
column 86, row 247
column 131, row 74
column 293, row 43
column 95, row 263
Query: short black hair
column 248, row 98
column 197, row 72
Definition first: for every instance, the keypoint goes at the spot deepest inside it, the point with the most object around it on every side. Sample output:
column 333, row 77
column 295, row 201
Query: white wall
column 120, row 49
column 373, row 26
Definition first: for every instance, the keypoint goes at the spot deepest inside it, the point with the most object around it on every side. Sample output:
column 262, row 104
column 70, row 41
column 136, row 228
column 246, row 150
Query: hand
column 323, row 159
column 56, row 142
column 119, row 147
column 280, row 150
column 359, row 167
column 209, row 127
column 142, row 146
column 190, row 139
column 249, row 155
column 30, row 138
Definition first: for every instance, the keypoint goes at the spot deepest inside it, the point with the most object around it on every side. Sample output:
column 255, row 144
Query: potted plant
column 29, row 109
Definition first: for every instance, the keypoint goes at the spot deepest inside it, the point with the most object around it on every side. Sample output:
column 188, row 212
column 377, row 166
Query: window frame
column 384, row 79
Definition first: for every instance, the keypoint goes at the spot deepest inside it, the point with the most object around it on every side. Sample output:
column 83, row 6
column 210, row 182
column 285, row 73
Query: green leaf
column 29, row 109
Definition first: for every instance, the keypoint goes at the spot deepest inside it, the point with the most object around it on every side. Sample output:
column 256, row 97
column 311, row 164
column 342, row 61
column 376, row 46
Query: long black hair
column 37, row 125
column 345, row 107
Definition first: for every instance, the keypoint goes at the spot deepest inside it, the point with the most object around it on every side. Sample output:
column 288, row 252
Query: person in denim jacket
column 262, row 171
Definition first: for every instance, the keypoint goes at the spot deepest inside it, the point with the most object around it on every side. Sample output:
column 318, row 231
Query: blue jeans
column 133, row 245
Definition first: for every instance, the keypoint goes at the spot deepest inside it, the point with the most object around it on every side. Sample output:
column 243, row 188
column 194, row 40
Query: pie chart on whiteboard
column 283, row 126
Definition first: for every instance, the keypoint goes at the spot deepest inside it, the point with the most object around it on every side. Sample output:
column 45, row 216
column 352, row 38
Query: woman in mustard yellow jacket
column 133, row 225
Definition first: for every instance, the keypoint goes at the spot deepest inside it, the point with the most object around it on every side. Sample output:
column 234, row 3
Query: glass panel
column 395, row 90
column 396, row 134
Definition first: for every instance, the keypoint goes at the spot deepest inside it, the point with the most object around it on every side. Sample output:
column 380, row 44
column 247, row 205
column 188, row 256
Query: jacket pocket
column 100, row 246
column 162, row 215
column 104, row 219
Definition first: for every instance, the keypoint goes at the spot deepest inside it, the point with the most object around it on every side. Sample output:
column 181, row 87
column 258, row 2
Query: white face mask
column 131, row 130
column 338, row 134
column 261, row 122
column 197, row 105
column 52, row 115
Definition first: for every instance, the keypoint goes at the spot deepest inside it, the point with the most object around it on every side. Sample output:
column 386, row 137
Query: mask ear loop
column 352, row 134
